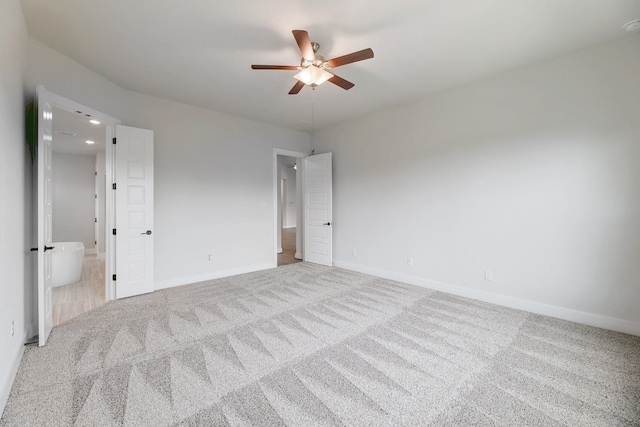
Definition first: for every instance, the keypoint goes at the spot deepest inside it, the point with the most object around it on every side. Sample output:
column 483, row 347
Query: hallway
column 288, row 247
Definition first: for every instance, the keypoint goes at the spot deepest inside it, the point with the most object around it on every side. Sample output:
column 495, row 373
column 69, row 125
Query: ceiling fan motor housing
column 319, row 60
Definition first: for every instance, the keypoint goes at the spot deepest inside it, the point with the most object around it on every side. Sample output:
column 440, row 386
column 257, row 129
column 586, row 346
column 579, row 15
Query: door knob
column 148, row 233
column 327, row 223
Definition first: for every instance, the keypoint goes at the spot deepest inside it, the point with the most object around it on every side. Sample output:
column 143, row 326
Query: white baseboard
column 279, row 250
column 298, row 255
column 577, row 316
column 171, row 283
column 11, row 375
column 90, row 251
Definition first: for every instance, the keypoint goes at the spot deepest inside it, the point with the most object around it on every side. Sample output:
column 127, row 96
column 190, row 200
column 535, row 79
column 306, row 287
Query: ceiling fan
column 313, row 67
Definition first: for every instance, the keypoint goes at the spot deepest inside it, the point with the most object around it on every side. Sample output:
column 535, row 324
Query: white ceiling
column 288, row 161
column 78, row 123
column 199, row 52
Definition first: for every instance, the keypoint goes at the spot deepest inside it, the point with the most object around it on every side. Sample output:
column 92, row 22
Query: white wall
column 73, row 198
column 532, row 174
column 67, row 78
column 213, row 172
column 213, row 188
column 15, row 196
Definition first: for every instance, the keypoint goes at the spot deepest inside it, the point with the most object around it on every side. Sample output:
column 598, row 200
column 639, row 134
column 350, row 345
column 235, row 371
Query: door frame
column 110, row 124
column 299, row 220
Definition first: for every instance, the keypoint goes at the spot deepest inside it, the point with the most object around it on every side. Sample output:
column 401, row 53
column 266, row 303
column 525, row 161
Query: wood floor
column 71, row 300
column 288, row 247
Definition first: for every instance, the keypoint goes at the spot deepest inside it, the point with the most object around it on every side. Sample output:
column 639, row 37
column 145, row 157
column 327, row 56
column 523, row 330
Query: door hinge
column 95, row 196
column 114, row 231
column 96, row 173
column 114, row 141
column 95, row 242
column 95, row 219
column 113, row 186
column 114, row 277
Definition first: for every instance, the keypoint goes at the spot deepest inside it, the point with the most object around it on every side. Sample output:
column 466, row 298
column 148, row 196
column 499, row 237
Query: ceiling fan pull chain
column 313, row 104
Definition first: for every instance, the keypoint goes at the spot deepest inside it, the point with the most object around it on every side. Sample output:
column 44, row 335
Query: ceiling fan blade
column 274, row 67
column 296, row 88
column 304, row 43
column 339, row 81
column 360, row 55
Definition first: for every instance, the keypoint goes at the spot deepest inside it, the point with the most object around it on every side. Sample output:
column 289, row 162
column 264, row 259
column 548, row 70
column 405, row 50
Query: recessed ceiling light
column 94, row 121
column 632, row 25
column 88, row 141
column 65, row 133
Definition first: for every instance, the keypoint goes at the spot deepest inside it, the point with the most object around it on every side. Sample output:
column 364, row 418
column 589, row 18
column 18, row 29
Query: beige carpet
column 305, row 345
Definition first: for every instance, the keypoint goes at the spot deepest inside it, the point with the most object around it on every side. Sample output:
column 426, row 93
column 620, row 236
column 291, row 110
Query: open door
column 45, row 139
column 318, row 215
column 134, row 211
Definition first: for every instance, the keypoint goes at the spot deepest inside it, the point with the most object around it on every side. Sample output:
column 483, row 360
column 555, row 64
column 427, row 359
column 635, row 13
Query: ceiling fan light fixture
column 313, row 76
column 313, row 67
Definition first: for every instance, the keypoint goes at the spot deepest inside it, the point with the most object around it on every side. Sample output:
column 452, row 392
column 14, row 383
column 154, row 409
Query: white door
column 317, row 209
column 45, row 139
column 134, row 211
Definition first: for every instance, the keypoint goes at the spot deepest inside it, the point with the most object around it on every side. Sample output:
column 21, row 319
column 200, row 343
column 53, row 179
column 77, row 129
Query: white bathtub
column 66, row 262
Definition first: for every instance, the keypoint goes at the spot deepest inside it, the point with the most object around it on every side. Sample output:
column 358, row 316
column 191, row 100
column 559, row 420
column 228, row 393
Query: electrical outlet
column 410, row 262
column 353, row 252
column 13, row 329
column 488, row 275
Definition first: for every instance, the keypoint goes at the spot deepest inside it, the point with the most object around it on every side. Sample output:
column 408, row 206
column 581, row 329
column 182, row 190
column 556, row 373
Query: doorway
column 287, row 187
column 78, row 190
column 288, row 209
column 72, row 252
column 132, row 165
